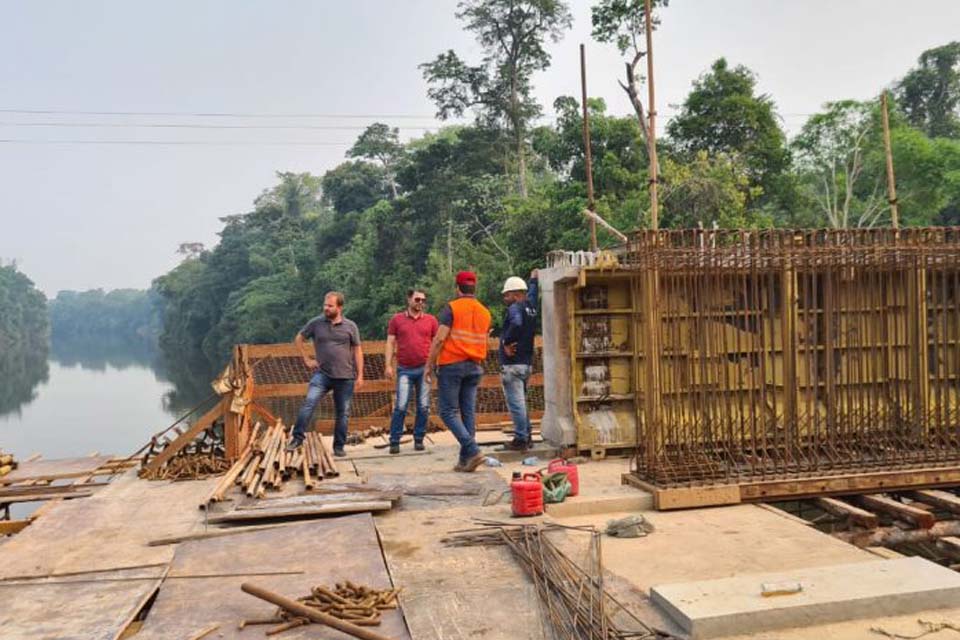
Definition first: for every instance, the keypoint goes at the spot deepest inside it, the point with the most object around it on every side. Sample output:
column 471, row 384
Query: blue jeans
column 407, row 378
column 514, row 379
column 320, row 384
column 457, row 399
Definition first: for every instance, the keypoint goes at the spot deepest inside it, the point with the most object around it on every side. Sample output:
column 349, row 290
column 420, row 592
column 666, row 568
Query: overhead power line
column 175, row 125
column 225, row 114
column 198, row 143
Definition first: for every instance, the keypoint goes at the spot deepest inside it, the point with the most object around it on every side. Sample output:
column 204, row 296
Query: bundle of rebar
column 191, row 466
column 265, row 464
column 573, row 598
column 356, row 604
column 771, row 355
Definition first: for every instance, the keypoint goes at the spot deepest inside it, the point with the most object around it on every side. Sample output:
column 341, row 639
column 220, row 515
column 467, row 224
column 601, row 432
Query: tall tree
column 930, row 93
column 723, row 114
column 623, row 23
column 831, row 151
column 512, row 34
column 381, row 143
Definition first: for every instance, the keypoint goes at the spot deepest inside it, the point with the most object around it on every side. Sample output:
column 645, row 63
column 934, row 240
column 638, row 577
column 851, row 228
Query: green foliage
column 930, row 93
column 400, row 215
column 126, row 316
column 723, row 115
column 23, row 339
column 512, row 35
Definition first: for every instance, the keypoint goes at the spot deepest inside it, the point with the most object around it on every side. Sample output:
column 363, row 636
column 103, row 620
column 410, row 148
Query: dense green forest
column 497, row 194
column 23, row 339
column 123, row 317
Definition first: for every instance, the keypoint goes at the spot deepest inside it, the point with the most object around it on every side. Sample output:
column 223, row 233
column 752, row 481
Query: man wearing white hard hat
column 516, row 353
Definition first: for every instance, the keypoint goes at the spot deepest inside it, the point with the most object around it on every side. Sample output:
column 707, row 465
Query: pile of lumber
column 7, row 463
column 265, row 464
column 356, row 604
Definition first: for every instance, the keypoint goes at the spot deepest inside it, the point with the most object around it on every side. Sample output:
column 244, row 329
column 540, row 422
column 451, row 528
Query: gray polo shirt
column 333, row 344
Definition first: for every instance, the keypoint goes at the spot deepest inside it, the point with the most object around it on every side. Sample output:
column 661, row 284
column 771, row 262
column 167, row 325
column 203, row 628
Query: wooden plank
column 940, row 499
column 66, row 495
column 851, row 483
column 67, row 611
column 305, row 512
column 370, row 386
column 905, row 512
column 9, row 527
column 351, row 551
column 846, row 510
column 55, row 469
column 457, row 593
column 188, row 436
column 950, row 544
column 666, row 499
column 107, row 531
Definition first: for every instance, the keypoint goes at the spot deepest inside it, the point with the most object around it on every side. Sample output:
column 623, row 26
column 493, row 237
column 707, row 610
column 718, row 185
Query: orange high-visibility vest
column 468, row 334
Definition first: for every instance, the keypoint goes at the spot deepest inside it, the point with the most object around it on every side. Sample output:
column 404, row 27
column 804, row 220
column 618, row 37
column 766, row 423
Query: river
column 90, row 399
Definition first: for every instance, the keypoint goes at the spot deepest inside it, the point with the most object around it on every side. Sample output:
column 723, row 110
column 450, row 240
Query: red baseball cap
column 466, row 277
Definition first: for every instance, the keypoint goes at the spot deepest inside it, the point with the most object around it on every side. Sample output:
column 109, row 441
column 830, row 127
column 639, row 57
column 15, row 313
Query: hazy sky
column 79, row 215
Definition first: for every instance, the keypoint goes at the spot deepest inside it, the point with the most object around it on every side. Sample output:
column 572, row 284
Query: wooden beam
column 306, row 512
column 940, row 499
column 47, row 496
column 9, row 527
column 850, row 484
column 845, row 510
column 905, row 512
column 188, row 436
column 950, row 544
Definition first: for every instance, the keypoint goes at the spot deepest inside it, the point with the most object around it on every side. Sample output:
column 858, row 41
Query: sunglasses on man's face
column 419, row 299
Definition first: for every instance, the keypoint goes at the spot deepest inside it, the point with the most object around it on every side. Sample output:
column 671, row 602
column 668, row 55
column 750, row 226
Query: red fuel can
column 527, row 494
column 562, row 466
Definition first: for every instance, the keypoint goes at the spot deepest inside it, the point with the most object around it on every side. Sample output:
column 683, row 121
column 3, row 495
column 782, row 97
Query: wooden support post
column 788, row 325
column 941, row 499
column 905, row 512
column 652, row 130
column 586, row 146
column 854, row 514
column 891, row 180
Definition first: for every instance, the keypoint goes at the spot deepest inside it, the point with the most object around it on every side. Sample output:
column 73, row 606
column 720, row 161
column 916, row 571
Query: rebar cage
column 782, row 354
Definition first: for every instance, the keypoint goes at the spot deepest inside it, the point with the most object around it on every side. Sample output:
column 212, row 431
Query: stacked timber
column 265, row 464
column 7, row 463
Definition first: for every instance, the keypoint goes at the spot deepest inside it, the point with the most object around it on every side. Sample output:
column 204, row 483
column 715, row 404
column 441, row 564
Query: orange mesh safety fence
column 279, row 383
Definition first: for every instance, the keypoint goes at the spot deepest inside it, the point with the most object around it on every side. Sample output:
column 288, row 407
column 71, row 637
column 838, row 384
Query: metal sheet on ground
column 82, row 611
column 109, row 530
column 328, row 551
column 62, row 467
column 457, row 593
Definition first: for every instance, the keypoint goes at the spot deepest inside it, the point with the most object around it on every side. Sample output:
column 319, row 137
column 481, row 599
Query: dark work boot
column 293, row 445
column 418, row 446
column 339, row 453
column 394, row 448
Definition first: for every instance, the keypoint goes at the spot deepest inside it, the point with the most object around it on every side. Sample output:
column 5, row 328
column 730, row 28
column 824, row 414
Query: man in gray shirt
column 337, row 364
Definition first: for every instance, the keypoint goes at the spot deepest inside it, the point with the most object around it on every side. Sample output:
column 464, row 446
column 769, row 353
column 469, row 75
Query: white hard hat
column 514, row 283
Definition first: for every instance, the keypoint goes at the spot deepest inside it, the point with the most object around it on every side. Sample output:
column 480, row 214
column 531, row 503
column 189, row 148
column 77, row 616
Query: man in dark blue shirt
column 516, row 353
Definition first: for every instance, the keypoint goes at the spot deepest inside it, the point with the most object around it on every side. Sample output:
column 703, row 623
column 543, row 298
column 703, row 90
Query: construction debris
column 191, row 466
column 266, row 464
column 632, row 526
column 298, row 609
column 200, row 459
column 357, row 604
column 573, row 597
column 7, row 463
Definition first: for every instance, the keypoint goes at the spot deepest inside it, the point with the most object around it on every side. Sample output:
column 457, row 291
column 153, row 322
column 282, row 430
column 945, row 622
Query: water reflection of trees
column 191, row 382
column 21, row 371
